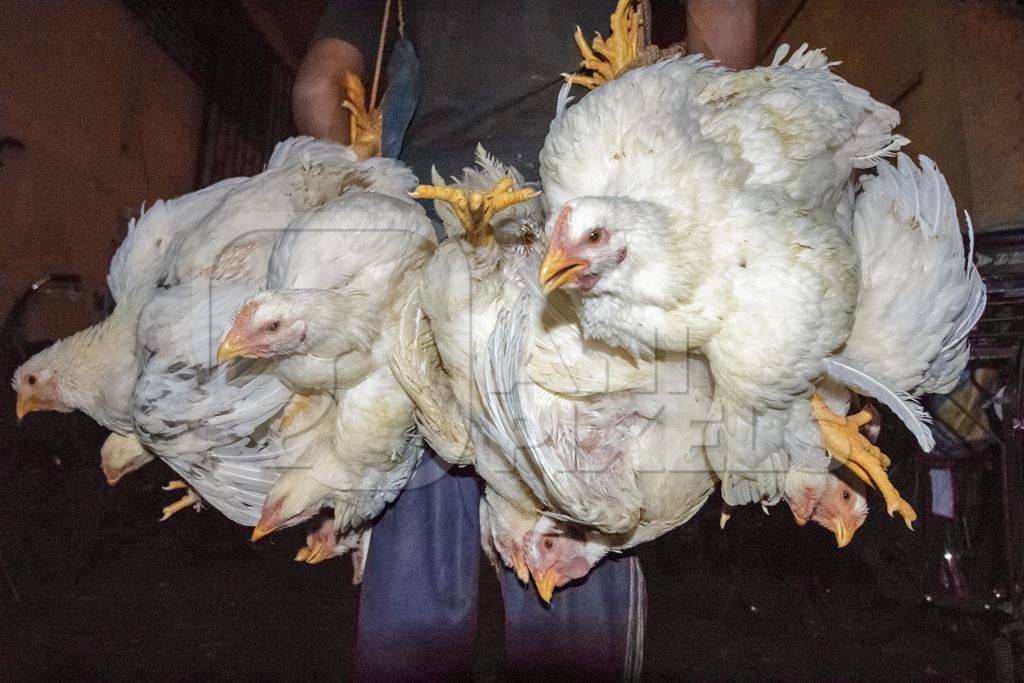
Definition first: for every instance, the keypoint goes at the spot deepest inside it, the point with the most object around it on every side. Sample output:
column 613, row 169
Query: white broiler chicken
column 122, row 455
column 696, row 208
column 492, row 223
column 326, row 325
column 673, row 241
column 212, row 424
column 94, row 370
column 611, row 446
column 333, row 275
column 183, row 404
column 920, row 296
column 222, row 232
column 466, row 302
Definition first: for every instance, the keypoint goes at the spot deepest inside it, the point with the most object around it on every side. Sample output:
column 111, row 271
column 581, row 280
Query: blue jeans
column 418, row 605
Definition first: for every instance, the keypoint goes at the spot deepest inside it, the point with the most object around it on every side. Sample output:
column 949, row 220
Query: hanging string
column 401, row 18
column 645, row 22
column 380, row 55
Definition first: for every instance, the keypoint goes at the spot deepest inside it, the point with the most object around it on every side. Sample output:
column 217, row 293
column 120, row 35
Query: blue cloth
column 418, row 605
column 400, row 99
column 592, row 629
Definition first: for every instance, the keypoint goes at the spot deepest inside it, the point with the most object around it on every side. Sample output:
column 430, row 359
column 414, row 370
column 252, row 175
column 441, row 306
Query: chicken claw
column 320, row 545
column 607, row 59
column 365, row 122
column 844, row 442
column 723, row 519
column 189, row 499
column 476, row 209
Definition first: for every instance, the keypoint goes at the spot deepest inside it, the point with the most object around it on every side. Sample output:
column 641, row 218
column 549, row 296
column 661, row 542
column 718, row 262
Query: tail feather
column 905, row 406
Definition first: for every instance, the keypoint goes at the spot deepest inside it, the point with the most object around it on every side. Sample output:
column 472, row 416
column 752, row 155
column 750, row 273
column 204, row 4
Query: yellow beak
column 799, row 520
column 546, row 583
column 26, row 405
column 557, row 269
column 112, row 475
column 263, row 528
column 843, row 535
column 230, row 348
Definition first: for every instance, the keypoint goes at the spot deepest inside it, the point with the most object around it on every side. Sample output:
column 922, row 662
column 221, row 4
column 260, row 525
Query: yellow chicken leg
column 476, row 209
column 607, row 59
column 365, row 123
column 189, row 499
column 844, row 442
column 859, row 471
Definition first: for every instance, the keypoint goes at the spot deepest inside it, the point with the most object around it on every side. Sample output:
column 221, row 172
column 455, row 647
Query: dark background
column 93, row 585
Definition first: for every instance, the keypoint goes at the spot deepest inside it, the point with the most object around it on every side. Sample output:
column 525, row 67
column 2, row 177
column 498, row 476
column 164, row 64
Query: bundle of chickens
column 715, row 268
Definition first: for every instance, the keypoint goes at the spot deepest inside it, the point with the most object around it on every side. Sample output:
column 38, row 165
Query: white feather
column 901, row 403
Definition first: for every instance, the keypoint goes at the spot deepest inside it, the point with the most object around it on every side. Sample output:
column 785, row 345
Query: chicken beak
column 723, row 519
column 558, row 269
column 843, row 535
column 546, row 583
column 262, row 529
column 26, row 405
column 231, row 347
column 269, row 523
column 112, row 475
column 236, row 344
column 800, row 520
column 519, row 567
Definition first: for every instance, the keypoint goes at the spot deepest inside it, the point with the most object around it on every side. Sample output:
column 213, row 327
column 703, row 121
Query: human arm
column 725, row 30
column 319, row 89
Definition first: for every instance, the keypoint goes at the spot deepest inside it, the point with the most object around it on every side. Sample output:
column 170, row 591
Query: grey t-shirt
column 490, row 70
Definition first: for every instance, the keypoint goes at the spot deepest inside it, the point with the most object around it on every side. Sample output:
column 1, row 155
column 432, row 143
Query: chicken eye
column 548, row 544
column 31, row 379
column 846, row 495
column 597, row 235
column 272, row 326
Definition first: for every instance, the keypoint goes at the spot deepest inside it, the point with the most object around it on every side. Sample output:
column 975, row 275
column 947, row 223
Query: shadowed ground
column 95, row 586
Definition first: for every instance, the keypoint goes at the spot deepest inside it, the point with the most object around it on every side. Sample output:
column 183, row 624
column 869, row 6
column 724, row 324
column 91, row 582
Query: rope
column 645, row 21
column 380, row 55
column 401, row 18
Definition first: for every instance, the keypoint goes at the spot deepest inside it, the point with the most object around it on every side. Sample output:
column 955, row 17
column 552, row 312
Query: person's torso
column 490, row 73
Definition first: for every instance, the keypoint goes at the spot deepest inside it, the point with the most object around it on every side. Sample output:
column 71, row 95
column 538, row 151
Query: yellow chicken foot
column 320, row 545
column 607, row 59
column 364, row 121
column 315, row 551
column 189, row 499
column 844, row 442
column 476, row 209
